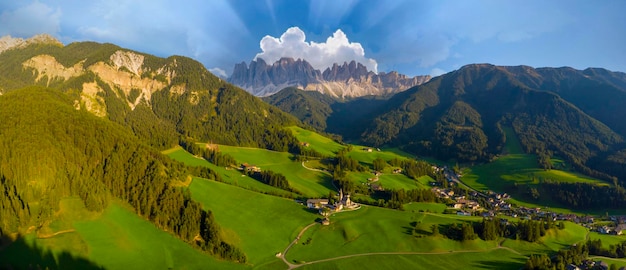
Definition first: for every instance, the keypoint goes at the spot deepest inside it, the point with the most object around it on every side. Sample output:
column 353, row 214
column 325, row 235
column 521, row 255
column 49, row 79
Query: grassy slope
column 229, row 176
column 316, row 141
column 425, row 207
column 607, row 239
column 373, row 229
column 388, row 180
column 520, row 168
column 552, row 241
column 114, row 239
column 391, row 181
column 310, row 183
column 121, row 240
column 495, row 259
column 261, row 225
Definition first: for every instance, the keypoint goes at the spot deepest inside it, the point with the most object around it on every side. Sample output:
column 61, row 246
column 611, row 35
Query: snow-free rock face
column 346, row 80
column 8, row 42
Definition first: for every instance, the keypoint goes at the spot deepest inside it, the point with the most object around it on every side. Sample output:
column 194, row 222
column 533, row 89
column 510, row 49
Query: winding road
column 294, row 266
column 295, row 241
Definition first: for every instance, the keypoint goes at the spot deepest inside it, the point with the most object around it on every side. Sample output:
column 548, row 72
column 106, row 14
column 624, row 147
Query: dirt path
column 316, row 170
column 322, row 171
column 295, row 241
column 292, row 266
column 55, row 234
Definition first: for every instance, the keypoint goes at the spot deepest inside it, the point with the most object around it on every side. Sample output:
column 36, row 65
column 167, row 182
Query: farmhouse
column 619, row 230
column 316, row 203
column 249, row 168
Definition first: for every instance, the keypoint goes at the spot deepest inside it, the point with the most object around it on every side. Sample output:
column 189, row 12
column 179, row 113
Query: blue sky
column 412, row 37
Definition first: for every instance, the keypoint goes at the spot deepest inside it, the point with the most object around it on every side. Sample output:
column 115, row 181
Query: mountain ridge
column 461, row 115
column 341, row 81
column 160, row 99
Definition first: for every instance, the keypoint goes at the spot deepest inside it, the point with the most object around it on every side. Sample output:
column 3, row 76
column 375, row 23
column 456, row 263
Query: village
column 497, row 205
column 467, row 204
column 325, row 208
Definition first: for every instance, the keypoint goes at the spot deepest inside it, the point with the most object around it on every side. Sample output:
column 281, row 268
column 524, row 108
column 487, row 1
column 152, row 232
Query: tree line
column 73, row 153
column 273, row 179
column 491, row 229
column 575, row 254
column 585, row 195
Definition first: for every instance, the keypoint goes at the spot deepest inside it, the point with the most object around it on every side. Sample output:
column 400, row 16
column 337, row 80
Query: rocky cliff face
column 346, row 80
column 8, row 42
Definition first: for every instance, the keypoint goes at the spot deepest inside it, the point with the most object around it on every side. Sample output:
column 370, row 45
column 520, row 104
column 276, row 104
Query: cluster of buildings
column 469, row 203
column 616, row 230
column 591, row 264
column 325, row 208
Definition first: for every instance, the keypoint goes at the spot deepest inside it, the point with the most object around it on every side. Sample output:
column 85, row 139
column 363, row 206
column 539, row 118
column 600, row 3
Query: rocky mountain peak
column 8, row 42
column 341, row 80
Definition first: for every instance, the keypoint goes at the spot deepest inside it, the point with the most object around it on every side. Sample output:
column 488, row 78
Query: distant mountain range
column 462, row 115
column 339, row 81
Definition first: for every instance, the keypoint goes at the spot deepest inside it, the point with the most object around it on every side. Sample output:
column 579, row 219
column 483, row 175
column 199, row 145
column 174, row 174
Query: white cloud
column 29, row 20
column 336, row 49
column 436, row 72
column 218, row 72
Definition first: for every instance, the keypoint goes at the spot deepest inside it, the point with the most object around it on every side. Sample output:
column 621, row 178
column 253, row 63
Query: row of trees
column 580, row 195
column 271, row 178
column 495, row 228
column 576, row 254
column 210, row 154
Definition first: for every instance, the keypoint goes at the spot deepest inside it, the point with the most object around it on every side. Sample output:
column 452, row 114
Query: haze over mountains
column 341, row 80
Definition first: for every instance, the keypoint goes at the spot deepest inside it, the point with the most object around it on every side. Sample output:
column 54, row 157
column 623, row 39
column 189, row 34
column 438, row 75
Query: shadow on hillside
column 412, row 230
column 499, row 264
column 17, row 254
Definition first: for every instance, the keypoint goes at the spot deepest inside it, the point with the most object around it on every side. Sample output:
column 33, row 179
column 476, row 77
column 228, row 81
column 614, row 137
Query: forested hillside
column 50, row 151
column 461, row 115
column 311, row 107
column 160, row 100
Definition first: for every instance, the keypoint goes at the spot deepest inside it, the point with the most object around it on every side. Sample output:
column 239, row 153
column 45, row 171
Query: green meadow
column 309, row 183
column 365, row 157
column 261, row 225
column 231, row 176
column 553, row 240
column 516, row 167
column 391, row 181
column 114, row 239
column 316, row 141
column 374, row 229
column 425, row 207
column 119, row 239
column 607, row 239
column 492, row 259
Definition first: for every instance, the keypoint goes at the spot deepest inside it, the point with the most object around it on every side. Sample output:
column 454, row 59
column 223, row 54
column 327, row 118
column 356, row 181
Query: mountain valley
column 114, row 159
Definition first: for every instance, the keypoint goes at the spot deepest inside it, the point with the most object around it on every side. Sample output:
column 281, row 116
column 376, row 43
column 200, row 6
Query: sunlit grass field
column 261, row 225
